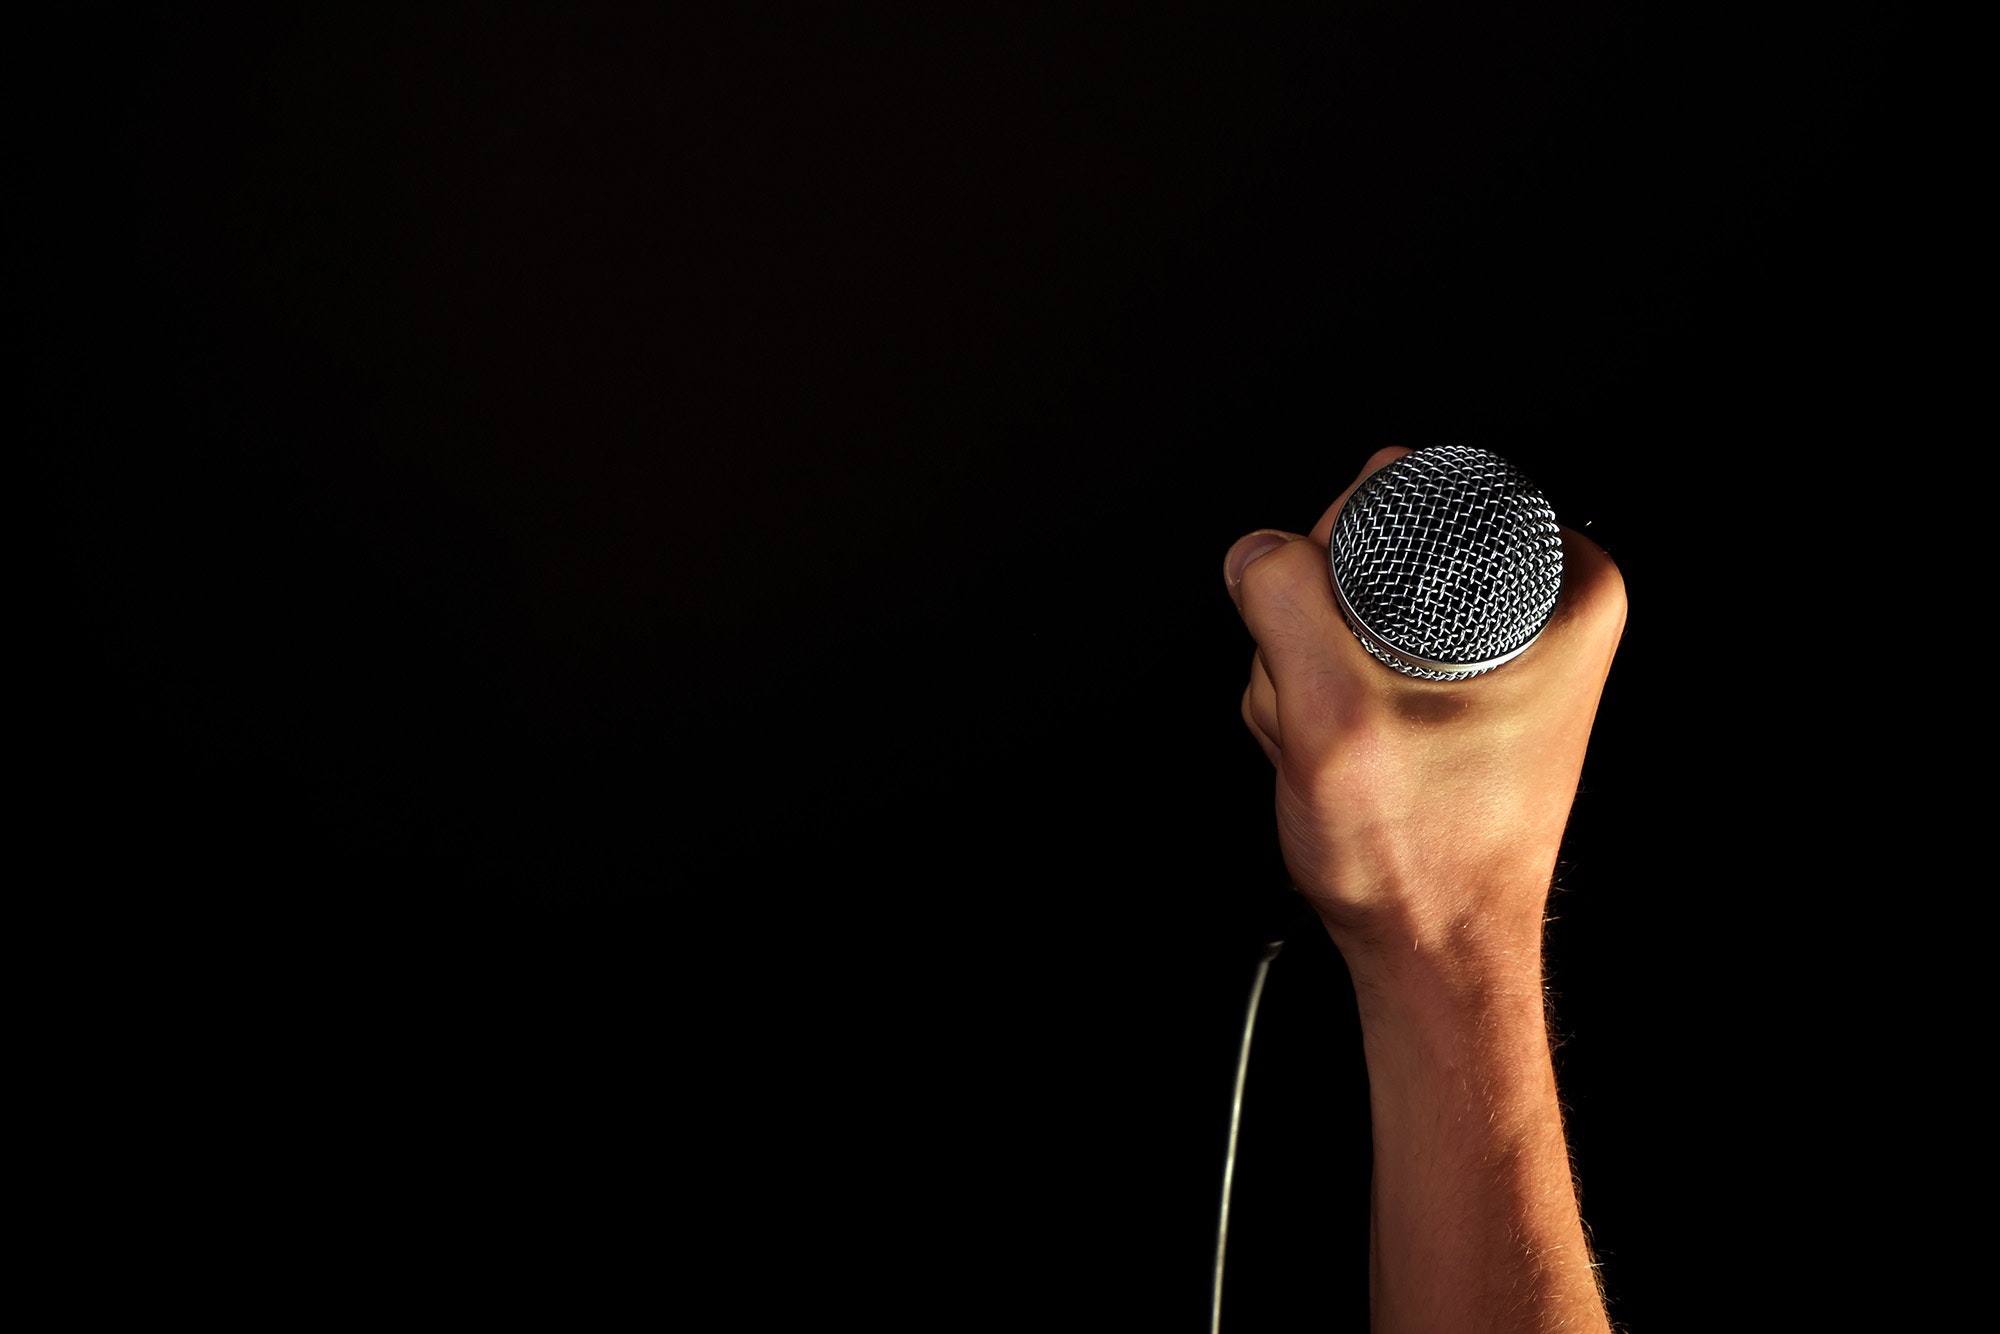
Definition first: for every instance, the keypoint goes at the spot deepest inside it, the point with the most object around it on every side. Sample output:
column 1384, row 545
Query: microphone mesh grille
column 1447, row 562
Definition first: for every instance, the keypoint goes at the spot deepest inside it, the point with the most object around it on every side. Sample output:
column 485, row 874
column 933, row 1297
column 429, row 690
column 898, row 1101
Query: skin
column 1422, row 821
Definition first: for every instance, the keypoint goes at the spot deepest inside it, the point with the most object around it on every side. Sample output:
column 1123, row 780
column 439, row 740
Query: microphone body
column 1447, row 562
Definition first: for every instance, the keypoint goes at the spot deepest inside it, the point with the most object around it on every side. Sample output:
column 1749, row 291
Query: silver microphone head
column 1447, row 562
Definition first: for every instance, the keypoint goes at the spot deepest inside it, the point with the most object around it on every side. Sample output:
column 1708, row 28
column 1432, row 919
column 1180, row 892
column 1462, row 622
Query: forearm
column 1422, row 819
column 1475, row 1218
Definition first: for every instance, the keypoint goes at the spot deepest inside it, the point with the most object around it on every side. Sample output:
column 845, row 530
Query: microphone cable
column 1263, row 969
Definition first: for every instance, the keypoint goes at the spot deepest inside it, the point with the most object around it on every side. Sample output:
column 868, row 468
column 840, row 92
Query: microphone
column 1446, row 562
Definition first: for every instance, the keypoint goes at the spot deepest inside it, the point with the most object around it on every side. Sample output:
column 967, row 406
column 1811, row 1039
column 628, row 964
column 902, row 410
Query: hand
column 1419, row 815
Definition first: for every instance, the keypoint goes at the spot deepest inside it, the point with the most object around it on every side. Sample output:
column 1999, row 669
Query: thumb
column 1249, row 548
column 1283, row 588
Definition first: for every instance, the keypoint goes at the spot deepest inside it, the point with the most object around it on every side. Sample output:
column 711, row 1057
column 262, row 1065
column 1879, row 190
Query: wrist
column 1472, row 968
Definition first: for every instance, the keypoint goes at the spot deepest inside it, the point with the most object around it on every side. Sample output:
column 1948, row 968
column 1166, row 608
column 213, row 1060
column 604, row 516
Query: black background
column 651, row 623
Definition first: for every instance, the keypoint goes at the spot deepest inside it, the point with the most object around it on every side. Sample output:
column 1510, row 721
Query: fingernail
column 1246, row 550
